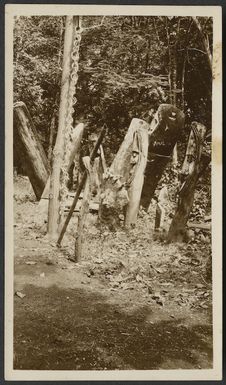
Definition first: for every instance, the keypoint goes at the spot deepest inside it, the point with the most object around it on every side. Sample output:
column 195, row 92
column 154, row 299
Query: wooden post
column 80, row 186
column 117, row 179
column 165, row 130
column 175, row 156
column 163, row 199
column 190, row 173
column 138, row 162
column 28, row 146
column 54, row 216
column 79, row 237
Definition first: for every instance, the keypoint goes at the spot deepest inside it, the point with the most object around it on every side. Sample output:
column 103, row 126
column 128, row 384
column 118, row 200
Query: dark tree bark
column 27, row 144
column 164, row 133
column 192, row 168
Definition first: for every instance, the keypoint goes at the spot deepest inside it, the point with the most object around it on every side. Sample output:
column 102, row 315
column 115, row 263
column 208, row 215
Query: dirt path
column 64, row 322
column 106, row 312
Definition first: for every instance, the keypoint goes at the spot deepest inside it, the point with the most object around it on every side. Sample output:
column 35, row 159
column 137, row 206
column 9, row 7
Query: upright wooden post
column 118, row 179
column 54, row 216
column 190, row 172
column 28, row 146
column 139, row 161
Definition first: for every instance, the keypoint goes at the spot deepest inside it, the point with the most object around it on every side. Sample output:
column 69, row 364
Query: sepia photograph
column 113, row 179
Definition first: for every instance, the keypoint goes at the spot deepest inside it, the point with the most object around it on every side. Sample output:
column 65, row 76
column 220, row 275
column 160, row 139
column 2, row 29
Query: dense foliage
column 128, row 66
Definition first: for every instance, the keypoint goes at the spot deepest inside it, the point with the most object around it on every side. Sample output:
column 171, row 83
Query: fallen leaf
column 156, row 296
column 31, row 263
column 160, row 301
column 138, row 278
column 90, row 273
column 98, row 260
column 199, row 286
column 20, row 295
column 150, row 290
column 49, row 262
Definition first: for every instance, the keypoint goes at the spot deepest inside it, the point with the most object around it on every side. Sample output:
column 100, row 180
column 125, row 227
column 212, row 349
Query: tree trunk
column 117, row 179
column 205, row 42
column 190, row 173
column 51, row 136
column 28, row 145
column 79, row 238
column 54, row 217
column 165, row 130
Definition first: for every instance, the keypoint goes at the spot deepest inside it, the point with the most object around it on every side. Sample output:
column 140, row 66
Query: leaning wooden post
column 117, row 179
column 165, row 130
column 28, row 145
column 54, row 216
column 80, row 186
column 190, row 173
column 79, row 237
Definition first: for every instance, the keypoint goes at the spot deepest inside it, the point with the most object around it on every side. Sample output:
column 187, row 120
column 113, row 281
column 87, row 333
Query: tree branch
column 95, row 25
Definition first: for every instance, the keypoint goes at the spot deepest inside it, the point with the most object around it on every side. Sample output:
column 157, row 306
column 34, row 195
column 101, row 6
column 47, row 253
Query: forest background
column 127, row 67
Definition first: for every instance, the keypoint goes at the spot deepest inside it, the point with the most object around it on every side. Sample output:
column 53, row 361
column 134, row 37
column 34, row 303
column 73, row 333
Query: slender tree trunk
column 28, row 145
column 205, row 42
column 54, row 217
column 173, row 71
column 79, row 238
column 166, row 128
column 51, row 136
column 190, row 172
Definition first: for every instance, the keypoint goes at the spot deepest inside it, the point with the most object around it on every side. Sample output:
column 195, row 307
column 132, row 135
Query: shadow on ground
column 76, row 329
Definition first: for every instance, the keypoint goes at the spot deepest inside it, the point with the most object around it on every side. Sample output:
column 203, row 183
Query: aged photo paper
column 113, row 182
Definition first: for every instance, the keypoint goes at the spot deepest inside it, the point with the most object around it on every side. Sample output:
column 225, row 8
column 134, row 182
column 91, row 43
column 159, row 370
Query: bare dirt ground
column 132, row 302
